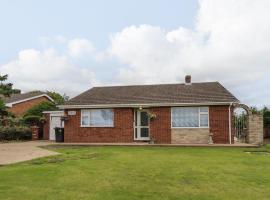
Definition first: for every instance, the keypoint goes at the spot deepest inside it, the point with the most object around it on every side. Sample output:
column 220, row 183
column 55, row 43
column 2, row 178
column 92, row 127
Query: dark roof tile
column 20, row 97
column 206, row 92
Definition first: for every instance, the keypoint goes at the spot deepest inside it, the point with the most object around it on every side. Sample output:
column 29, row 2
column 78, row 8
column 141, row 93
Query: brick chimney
column 188, row 80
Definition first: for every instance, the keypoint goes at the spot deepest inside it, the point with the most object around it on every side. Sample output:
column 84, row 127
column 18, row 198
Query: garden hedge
column 15, row 133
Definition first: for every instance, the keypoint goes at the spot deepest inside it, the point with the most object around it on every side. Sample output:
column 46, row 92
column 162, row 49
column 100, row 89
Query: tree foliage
column 6, row 89
column 35, row 114
column 266, row 116
column 38, row 109
column 2, row 108
column 58, row 98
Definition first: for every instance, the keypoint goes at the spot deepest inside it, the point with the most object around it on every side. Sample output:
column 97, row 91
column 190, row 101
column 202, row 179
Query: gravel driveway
column 22, row 151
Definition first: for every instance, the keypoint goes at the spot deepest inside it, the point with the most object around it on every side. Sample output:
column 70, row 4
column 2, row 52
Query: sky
column 71, row 46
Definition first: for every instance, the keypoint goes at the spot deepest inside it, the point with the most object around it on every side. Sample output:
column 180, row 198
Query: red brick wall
column 46, row 127
column 20, row 108
column 121, row 132
column 160, row 128
column 219, row 123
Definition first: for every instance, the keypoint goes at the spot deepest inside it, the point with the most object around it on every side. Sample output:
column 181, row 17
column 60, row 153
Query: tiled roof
column 205, row 92
column 20, row 97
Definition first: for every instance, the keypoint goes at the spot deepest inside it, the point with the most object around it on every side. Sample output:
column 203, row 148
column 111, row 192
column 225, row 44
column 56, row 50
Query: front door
column 141, row 125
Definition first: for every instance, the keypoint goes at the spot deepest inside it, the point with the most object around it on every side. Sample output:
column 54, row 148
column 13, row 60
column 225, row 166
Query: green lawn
column 141, row 173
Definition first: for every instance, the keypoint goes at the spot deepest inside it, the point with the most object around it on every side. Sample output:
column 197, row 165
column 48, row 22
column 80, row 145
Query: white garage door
column 55, row 122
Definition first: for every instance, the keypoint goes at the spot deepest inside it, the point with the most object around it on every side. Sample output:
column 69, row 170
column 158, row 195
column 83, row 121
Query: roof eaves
column 10, row 104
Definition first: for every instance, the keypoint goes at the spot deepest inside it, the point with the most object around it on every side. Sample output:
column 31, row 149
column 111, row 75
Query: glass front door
column 141, row 123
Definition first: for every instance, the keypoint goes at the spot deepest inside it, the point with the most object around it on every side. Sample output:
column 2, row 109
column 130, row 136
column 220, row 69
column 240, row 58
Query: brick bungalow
column 18, row 104
column 164, row 113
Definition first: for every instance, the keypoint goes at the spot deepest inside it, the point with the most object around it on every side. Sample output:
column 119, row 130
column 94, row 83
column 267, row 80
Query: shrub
column 15, row 133
column 31, row 119
column 38, row 109
column 35, row 114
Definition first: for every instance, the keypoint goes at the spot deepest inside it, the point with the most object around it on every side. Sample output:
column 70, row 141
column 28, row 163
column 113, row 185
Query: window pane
column 103, row 117
column 185, row 117
column 144, row 132
column 85, row 117
column 204, row 120
column 204, row 109
column 144, row 119
column 85, row 120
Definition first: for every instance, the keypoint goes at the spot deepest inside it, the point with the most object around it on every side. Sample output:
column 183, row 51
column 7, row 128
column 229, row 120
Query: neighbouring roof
column 206, row 92
column 17, row 98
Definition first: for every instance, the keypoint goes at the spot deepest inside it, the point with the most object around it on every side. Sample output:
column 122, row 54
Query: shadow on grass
column 64, row 157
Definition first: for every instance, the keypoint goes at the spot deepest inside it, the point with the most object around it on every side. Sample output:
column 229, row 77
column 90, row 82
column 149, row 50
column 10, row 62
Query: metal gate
column 240, row 125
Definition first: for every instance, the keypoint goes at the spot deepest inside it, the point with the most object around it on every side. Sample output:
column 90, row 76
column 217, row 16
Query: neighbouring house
column 18, row 104
column 163, row 113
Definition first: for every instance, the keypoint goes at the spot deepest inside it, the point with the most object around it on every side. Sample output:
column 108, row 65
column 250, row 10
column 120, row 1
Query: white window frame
column 199, row 117
column 89, row 115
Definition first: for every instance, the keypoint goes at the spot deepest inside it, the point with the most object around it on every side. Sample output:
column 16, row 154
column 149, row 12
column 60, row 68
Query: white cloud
column 80, row 48
column 48, row 70
column 230, row 43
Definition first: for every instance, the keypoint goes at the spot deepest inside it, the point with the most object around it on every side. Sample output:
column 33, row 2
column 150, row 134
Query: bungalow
column 18, row 104
column 163, row 113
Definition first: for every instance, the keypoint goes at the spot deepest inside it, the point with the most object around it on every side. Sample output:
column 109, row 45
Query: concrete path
column 22, row 151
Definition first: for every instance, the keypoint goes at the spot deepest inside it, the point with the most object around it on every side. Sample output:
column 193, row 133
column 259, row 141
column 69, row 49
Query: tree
column 2, row 107
column 34, row 114
column 266, row 117
column 38, row 109
column 6, row 89
column 58, row 98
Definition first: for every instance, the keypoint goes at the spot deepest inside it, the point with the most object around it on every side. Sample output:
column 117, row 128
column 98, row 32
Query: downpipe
column 230, row 124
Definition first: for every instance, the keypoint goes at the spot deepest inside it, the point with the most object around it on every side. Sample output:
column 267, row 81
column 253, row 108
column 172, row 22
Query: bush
column 38, row 109
column 15, row 133
column 31, row 119
column 35, row 114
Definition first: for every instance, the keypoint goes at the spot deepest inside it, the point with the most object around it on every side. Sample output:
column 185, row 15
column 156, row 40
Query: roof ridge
column 135, row 85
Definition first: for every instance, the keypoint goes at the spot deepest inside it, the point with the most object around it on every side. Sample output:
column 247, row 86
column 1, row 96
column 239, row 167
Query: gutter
column 144, row 105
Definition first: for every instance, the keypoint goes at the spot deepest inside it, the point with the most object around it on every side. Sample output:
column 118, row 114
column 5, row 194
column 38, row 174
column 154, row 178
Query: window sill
column 203, row 127
column 83, row 126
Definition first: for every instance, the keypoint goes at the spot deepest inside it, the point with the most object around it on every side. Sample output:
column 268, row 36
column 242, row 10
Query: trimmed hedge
column 15, row 133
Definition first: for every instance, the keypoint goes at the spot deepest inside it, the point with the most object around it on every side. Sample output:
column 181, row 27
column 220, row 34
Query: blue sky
column 24, row 21
column 70, row 46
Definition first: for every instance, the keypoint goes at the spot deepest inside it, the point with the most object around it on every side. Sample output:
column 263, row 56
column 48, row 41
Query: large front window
column 97, row 118
column 190, row 117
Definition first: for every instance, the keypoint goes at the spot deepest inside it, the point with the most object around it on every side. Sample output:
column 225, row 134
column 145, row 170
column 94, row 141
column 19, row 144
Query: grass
column 141, row 173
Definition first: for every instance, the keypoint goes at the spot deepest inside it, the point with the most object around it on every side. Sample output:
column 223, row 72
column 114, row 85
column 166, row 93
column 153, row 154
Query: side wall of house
column 20, row 108
column 219, row 123
column 120, row 133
